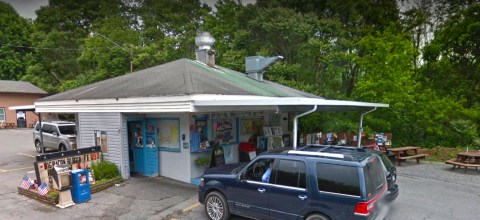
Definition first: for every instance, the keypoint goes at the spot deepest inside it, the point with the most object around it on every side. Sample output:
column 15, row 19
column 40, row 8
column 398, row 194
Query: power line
column 41, row 48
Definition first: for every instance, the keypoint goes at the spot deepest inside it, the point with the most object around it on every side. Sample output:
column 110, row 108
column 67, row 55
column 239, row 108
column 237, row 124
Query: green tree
column 60, row 30
column 14, row 43
column 452, row 58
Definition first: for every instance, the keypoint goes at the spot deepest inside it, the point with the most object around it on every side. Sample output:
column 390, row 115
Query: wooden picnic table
column 466, row 159
column 9, row 125
column 409, row 152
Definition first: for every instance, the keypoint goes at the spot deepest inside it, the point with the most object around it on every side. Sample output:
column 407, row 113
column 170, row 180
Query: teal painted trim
column 196, row 181
column 169, row 149
column 237, row 125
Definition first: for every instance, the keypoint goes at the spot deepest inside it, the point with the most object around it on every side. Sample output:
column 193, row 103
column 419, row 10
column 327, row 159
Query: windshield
column 374, row 176
column 67, row 129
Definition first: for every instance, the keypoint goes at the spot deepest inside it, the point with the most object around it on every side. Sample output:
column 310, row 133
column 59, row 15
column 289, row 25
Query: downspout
column 360, row 127
column 295, row 125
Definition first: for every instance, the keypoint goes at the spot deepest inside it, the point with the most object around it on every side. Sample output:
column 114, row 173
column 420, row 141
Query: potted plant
column 203, row 161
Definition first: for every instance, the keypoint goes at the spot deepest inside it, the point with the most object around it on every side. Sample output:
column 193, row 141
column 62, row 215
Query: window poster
column 252, row 125
column 138, row 134
column 101, row 140
column 223, row 130
column 169, row 134
column 150, row 135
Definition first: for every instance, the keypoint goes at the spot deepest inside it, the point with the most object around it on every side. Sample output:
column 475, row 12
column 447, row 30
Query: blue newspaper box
column 80, row 186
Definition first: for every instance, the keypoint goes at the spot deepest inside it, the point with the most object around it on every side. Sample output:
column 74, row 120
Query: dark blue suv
column 308, row 183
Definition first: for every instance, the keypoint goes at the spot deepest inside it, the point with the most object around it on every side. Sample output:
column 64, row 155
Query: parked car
column 390, row 169
column 390, row 173
column 57, row 135
column 309, row 183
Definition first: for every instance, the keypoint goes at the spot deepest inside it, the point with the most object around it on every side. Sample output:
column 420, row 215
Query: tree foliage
column 419, row 56
column 14, row 43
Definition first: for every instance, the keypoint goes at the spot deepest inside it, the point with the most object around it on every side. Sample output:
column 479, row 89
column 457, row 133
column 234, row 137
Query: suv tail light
column 364, row 208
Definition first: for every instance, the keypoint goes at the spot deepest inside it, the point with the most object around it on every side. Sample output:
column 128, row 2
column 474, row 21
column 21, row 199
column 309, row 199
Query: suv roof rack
column 311, row 153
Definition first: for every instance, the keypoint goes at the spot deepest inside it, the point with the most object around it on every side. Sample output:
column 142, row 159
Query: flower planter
column 32, row 193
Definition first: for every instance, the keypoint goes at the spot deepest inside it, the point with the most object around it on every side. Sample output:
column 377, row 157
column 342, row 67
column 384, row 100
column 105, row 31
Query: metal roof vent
column 204, row 53
column 255, row 66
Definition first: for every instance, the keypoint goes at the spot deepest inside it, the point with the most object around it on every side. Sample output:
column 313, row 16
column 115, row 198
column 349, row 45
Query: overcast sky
column 27, row 8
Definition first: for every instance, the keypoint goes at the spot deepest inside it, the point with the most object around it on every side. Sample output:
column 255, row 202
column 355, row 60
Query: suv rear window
column 374, row 176
column 67, row 129
column 338, row 179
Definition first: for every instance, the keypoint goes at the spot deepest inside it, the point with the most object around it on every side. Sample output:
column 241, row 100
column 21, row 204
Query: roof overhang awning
column 203, row 103
column 279, row 104
column 22, row 108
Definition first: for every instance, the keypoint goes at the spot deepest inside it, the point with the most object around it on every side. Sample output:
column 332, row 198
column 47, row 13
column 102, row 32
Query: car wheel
column 62, row 147
column 317, row 217
column 38, row 146
column 216, row 206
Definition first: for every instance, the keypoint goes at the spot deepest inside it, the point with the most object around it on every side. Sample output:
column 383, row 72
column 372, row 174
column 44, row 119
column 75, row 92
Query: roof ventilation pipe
column 255, row 66
column 204, row 53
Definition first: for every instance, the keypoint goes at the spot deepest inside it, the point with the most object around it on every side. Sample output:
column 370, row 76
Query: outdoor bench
column 456, row 163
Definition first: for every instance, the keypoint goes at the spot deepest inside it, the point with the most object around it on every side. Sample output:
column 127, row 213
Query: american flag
column 26, row 183
column 43, row 189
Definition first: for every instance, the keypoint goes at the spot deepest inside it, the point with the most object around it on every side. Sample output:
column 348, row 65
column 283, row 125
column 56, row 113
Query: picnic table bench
column 465, row 159
column 402, row 153
column 9, row 125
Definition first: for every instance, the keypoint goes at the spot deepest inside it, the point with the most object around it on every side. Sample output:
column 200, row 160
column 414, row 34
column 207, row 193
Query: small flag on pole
column 43, row 189
column 26, row 183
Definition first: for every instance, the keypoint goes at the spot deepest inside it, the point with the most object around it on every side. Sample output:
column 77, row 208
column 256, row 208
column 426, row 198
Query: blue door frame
column 145, row 146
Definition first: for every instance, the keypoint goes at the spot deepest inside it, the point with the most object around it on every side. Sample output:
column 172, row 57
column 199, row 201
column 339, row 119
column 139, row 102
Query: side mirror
column 55, row 133
column 240, row 177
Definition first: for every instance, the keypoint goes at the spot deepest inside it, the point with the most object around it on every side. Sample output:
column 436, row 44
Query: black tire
column 317, row 217
column 62, row 147
column 216, row 206
column 38, row 146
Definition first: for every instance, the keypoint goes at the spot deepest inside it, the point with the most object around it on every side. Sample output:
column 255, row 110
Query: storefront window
column 2, row 114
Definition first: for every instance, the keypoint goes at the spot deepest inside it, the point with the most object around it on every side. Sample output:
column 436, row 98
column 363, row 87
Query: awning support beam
column 295, row 125
column 360, row 127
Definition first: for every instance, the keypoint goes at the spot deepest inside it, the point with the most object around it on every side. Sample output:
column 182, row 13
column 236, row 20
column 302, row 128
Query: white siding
column 111, row 123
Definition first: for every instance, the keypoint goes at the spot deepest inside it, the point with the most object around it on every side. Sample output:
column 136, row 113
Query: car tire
column 62, row 147
column 38, row 146
column 317, row 217
column 216, row 206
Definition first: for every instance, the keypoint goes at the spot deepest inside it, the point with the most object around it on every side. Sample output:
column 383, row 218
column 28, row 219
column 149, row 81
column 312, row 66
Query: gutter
column 360, row 127
column 295, row 125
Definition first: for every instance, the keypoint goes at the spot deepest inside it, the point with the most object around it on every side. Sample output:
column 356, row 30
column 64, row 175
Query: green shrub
column 105, row 170
column 53, row 193
column 203, row 161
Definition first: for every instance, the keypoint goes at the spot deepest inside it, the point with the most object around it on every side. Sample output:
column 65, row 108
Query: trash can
column 21, row 123
column 80, row 186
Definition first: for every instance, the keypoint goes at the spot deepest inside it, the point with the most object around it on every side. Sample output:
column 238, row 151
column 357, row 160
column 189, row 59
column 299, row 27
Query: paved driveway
column 427, row 191
column 137, row 198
